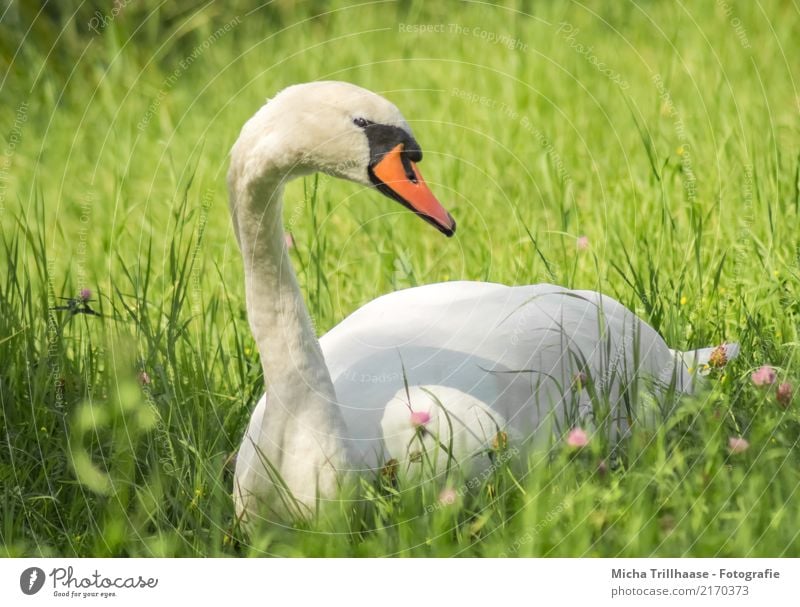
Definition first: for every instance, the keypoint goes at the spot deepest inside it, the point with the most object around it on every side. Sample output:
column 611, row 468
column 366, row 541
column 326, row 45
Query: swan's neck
column 290, row 353
column 302, row 432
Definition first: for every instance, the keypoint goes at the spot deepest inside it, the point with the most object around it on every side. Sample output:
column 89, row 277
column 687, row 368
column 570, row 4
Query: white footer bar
column 399, row 582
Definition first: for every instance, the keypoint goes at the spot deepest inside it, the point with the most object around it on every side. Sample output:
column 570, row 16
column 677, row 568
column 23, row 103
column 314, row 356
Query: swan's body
column 516, row 349
column 479, row 359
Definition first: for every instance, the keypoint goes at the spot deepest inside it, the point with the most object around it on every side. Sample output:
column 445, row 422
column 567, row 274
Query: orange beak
column 397, row 177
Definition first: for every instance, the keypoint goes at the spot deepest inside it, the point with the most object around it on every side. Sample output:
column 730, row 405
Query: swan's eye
column 361, row 123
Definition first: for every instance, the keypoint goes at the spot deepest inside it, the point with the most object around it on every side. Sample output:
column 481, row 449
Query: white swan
column 479, row 359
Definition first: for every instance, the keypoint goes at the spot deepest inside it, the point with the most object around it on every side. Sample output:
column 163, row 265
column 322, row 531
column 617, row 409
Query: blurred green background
column 665, row 133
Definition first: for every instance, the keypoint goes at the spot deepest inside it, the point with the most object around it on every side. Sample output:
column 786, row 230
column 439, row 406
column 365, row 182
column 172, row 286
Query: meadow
column 648, row 150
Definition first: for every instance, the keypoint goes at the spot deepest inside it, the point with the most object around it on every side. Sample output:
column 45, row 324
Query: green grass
column 679, row 159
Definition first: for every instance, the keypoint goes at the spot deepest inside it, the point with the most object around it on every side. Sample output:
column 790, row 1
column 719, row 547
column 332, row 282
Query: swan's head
column 347, row 132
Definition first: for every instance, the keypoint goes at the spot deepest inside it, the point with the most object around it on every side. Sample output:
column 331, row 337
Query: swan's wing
column 517, row 349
